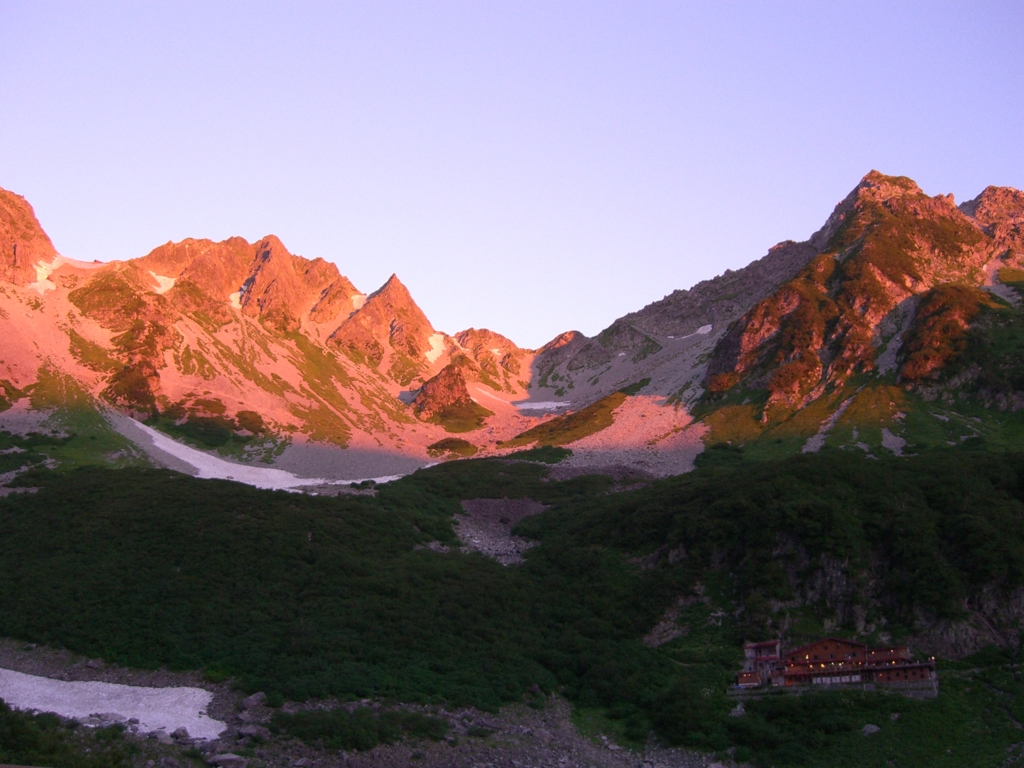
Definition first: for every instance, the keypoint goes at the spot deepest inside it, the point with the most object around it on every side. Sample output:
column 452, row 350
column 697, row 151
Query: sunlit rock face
column 886, row 244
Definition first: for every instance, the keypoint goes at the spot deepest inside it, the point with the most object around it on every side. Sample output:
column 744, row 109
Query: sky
column 528, row 167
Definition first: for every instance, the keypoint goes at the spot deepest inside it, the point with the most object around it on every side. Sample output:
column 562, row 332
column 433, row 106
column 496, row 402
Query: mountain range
column 869, row 335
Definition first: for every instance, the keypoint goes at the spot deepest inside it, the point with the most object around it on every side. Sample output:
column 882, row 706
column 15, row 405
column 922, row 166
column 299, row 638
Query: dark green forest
column 307, row 597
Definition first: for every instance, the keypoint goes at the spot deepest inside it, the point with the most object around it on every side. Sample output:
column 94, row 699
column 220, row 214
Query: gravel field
column 646, row 435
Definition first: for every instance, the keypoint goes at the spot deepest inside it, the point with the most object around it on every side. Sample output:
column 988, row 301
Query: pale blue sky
column 527, row 167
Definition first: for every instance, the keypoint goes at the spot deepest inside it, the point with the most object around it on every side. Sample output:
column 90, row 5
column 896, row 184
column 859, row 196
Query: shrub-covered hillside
column 309, row 596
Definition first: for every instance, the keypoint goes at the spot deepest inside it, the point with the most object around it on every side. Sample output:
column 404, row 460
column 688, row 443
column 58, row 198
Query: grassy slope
column 88, row 440
column 461, row 417
column 566, row 429
column 309, row 596
column 970, row 399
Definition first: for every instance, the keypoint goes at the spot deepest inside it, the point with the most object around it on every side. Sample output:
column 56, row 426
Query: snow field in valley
column 155, row 708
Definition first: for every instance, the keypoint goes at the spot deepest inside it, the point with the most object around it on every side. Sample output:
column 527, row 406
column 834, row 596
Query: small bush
column 44, row 739
column 545, row 454
column 362, row 729
column 634, row 389
column 454, row 446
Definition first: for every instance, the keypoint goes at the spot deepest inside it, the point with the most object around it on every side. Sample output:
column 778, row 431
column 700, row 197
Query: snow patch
column 485, row 393
column 548, row 405
column 210, row 467
column 235, row 299
column 156, row 708
column 1004, row 292
column 892, row 442
column 358, row 300
column 60, row 261
column 495, row 351
column 436, row 347
column 43, row 272
column 704, row 330
column 887, row 359
column 163, row 284
column 816, row 442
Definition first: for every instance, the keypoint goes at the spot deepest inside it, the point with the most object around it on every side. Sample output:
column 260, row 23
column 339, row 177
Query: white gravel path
column 156, row 708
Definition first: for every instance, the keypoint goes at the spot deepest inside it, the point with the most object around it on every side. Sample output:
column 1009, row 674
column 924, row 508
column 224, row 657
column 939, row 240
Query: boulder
column 228, row 760
column 256, row 700
column 254, row 731
column 870, row 729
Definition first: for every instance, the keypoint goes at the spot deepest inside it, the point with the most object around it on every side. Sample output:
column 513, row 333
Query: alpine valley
column 510, row 556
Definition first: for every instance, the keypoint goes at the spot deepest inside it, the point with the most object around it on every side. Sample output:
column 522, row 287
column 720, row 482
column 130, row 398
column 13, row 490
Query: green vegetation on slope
column 27, row 739
column 452, row 446
column 938, row 334
column 360, row 729
column 91, row 355
column 571, row 427
column 993, row 358
column 1011, row 276
column 461, row 416
column 964, row 360
column 545, row 454
column 311, row 596
column 206, row 425
column 77, row 434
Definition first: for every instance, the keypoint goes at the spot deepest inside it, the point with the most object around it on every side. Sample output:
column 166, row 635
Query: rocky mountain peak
column 481, row 340
column 23, row 243
column 562, row 340
column 444, row 390
column 496, row 360
column 204, row 273
column 392, row 292
column 995, row 204
column 389, row 322
column 393, row 301
column 884, row 245
column 882, row 186
column 283, row 288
